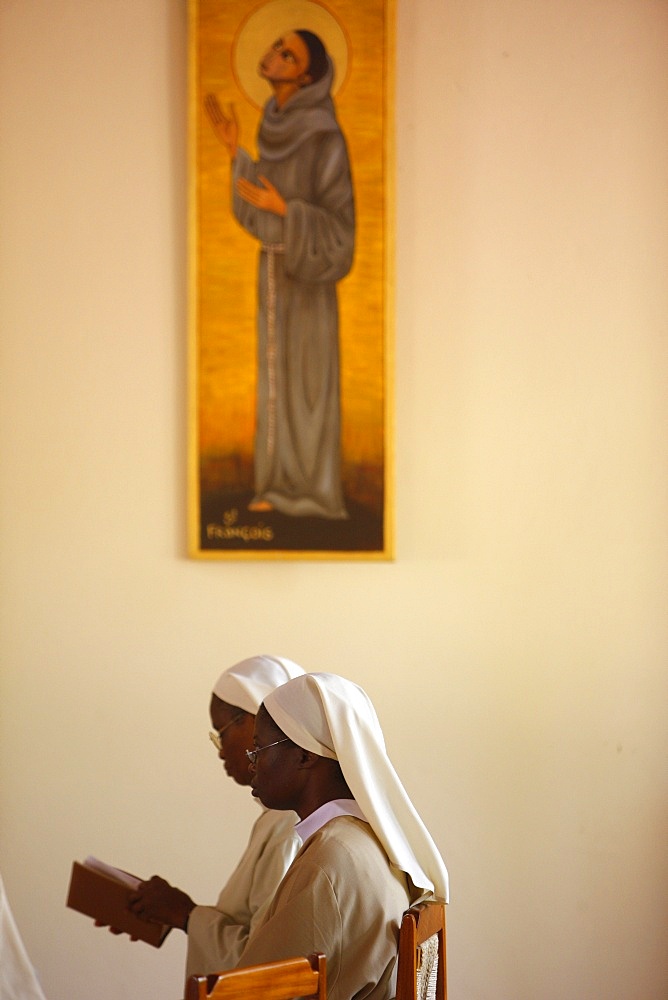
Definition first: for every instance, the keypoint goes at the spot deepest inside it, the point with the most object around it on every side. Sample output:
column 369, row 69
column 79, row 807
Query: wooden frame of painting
column 291, row 257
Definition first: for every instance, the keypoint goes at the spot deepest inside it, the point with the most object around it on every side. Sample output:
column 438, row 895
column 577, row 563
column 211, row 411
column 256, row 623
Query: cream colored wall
column 516, row 648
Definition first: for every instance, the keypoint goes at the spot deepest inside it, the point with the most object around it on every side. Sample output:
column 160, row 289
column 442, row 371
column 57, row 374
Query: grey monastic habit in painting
column 302, row 256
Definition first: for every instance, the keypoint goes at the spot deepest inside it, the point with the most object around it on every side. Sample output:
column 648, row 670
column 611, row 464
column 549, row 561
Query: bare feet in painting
column 260, row 505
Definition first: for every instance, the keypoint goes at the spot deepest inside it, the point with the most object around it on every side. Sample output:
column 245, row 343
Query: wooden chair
column 421, row 970
column 282, row 980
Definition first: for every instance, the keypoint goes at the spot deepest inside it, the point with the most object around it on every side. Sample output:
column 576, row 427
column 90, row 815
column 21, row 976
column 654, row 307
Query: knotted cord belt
column 271, row 249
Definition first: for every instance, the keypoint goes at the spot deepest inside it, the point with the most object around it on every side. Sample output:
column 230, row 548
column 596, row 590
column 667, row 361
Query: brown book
column 102, row 892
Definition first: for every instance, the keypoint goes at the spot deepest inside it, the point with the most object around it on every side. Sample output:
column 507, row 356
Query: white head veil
column 333, row 717
column 247, row 683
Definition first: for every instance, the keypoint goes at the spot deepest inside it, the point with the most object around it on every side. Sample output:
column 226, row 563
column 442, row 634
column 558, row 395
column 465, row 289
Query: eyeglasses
column 252, row 754
column 215, row 737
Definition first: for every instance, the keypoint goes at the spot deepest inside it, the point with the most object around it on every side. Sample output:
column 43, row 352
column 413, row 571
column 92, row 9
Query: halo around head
column 270, row 21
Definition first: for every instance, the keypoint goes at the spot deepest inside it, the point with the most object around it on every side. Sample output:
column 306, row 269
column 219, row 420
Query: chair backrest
column 282, row 980
column 422, row 970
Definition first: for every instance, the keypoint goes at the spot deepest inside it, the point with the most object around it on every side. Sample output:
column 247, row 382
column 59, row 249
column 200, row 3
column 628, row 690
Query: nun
column 218, row 934
column 366, row 855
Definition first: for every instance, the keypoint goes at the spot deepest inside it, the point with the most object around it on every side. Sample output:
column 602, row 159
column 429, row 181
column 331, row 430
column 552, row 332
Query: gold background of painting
column 224, row 257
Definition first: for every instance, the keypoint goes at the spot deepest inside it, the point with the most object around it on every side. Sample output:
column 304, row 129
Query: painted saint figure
column 297, row 201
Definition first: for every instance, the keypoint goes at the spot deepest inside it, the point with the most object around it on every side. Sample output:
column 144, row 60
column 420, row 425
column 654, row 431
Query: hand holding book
column 103, row 893
column 159, row 901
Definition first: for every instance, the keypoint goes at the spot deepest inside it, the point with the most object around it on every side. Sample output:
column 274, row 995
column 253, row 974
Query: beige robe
column 218, row 934
column 340, row 897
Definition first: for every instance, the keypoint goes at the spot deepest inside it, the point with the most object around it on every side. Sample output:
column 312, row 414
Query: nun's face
column 235, row 733
column 276, row 779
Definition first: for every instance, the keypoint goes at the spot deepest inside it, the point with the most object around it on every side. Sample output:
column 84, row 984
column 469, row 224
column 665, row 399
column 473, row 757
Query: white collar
column 337, row 807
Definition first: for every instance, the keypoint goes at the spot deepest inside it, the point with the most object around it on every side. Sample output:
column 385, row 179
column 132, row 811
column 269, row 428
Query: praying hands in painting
column 226, row 129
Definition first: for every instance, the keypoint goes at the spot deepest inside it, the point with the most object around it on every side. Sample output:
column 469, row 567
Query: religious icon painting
column 291, row 259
